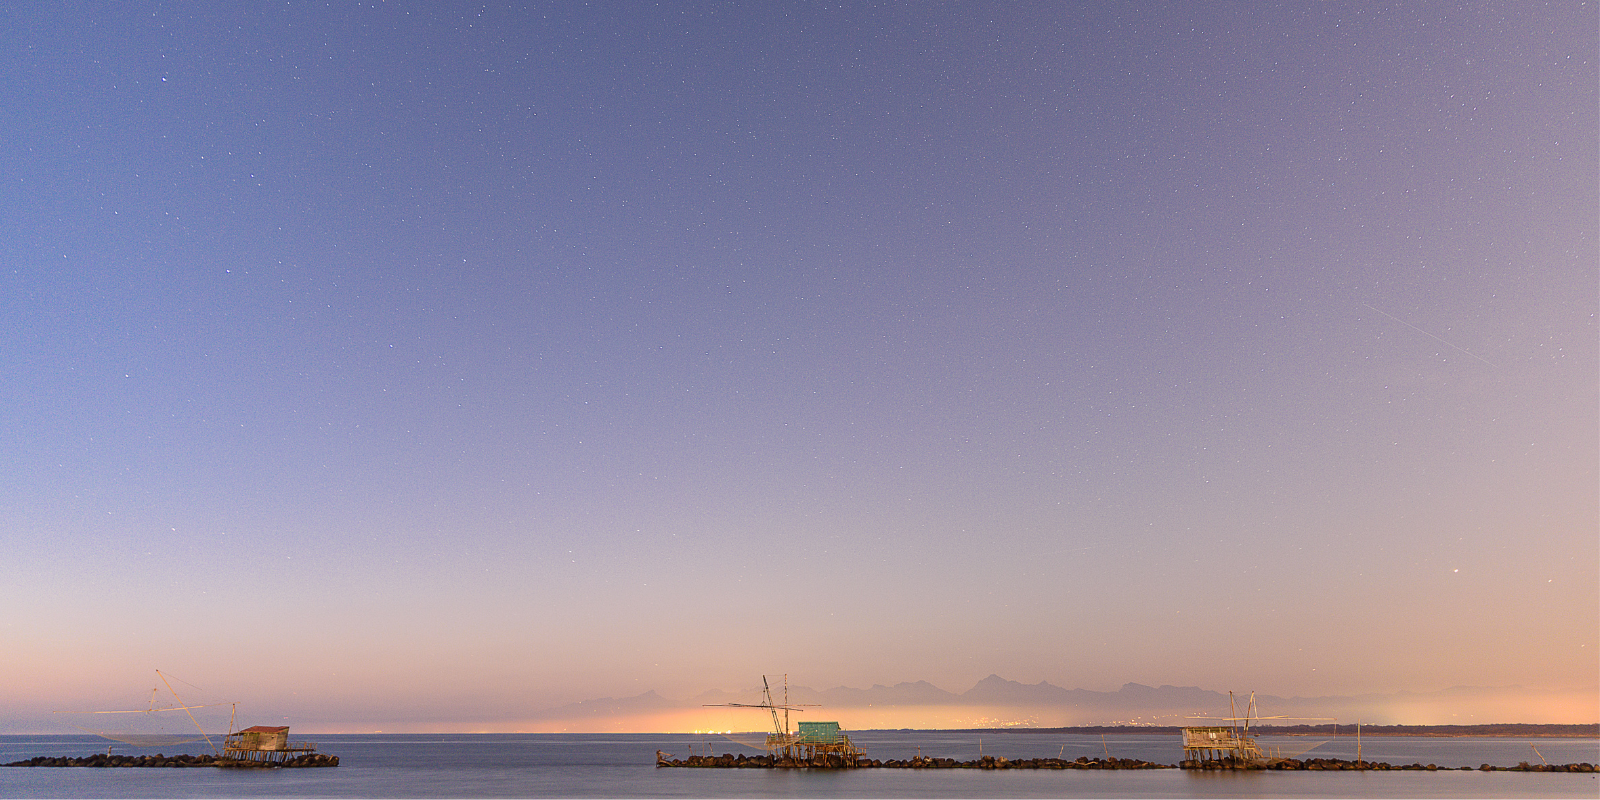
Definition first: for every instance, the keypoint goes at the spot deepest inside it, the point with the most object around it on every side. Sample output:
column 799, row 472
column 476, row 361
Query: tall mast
column 780, row 726
column 765, row 687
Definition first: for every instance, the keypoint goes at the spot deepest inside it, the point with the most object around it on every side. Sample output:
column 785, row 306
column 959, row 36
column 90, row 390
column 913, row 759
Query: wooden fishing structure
column 159, row 736
column 1230, row 746
column 811, row 744
column 262, row 746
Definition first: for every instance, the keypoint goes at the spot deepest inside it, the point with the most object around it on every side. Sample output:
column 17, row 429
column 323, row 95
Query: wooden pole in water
column 1358, row 741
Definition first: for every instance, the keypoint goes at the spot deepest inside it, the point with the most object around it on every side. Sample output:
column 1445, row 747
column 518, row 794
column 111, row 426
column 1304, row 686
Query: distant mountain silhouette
column 612, row 706
column 900, row 694
column 1133, row 703
column 995, row 690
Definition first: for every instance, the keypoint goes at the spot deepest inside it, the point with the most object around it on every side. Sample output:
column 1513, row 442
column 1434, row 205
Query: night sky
column 444, row 362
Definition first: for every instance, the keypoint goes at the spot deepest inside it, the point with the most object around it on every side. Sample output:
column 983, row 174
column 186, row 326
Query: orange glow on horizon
column 1576, row 707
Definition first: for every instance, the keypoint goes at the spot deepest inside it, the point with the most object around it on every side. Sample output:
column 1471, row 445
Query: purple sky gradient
column 502, row 356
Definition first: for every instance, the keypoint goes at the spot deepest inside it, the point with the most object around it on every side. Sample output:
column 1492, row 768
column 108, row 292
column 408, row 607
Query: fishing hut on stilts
column 811, row 744
column 262, row 746
column 1230, row 746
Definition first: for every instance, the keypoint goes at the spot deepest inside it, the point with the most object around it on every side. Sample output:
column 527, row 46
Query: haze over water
column 417, row 366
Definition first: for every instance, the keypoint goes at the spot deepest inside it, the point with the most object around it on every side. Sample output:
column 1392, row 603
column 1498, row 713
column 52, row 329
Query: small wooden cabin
column 261, row 737
column 263, row 745
column 1222, row 745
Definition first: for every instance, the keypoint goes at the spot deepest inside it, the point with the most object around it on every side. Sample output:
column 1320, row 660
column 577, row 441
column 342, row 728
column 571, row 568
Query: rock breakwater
column 106, row 760
column 730, row 761
column 1339, row 764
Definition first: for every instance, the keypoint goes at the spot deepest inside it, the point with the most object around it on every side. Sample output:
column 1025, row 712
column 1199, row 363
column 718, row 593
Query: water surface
column 622, row 765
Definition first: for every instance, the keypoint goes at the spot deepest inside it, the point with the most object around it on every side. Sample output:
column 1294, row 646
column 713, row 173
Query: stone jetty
column 1339, row 764
column 730, row 761
column 179, row 761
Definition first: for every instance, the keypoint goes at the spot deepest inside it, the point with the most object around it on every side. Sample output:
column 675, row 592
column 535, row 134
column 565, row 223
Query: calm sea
column 622, row 765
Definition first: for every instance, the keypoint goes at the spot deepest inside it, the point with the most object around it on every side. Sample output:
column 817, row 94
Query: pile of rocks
column 1582, row 766
column 724, row 761
column 729, row 761
column 159, row 760
column 1318, row 764
column 1001, row 762
column 108, row 760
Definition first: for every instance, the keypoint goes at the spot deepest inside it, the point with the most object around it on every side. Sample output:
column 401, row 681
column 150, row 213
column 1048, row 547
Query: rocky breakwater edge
column 105, row 760
column 730, row 761
column 1335, row 764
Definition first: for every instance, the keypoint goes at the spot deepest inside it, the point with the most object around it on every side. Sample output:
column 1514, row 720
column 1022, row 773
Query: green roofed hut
column 825, row 744
column 813, row 744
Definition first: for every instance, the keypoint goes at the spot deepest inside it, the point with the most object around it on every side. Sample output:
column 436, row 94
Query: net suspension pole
column 186, row 710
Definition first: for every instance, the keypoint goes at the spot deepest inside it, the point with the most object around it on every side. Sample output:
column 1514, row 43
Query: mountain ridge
column 1132, row 703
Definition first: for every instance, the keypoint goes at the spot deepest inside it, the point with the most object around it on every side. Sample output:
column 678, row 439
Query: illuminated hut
column 814, row 744
column 824, row 743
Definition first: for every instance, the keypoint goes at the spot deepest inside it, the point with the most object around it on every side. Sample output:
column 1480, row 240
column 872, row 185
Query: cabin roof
column 266, row 729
